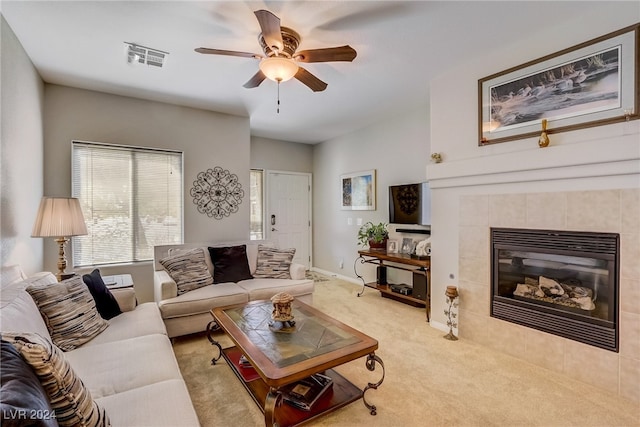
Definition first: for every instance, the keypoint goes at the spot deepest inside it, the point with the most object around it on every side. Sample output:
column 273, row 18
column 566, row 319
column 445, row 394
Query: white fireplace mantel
column 602, row 157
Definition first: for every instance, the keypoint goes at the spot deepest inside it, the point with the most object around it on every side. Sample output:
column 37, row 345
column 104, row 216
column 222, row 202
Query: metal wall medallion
column 217, row 193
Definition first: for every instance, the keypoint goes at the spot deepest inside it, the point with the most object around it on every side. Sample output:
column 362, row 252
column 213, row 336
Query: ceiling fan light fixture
column 278, row 68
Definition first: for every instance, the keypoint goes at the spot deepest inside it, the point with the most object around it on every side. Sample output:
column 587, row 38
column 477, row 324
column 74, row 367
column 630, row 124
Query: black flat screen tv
column 410, row 204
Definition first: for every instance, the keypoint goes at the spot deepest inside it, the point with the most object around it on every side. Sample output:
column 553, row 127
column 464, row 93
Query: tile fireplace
column 613, row 211
column 560, row 282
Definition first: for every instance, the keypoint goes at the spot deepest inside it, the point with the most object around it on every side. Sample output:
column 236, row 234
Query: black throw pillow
column 23, row 401
column 230, row 264
column 105, row 301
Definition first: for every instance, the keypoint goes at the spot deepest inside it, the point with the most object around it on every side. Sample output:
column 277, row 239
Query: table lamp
column 59, row 217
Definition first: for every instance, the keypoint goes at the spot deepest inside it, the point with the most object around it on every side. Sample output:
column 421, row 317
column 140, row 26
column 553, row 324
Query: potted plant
column 375, row 235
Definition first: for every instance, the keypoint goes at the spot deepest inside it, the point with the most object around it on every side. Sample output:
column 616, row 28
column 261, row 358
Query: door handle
column 274, row 229
column 273, row 220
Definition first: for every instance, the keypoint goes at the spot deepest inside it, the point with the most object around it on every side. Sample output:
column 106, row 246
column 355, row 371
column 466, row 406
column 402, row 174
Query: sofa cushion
column 274, row 263
column 188, row 270
column 163, row 404
column 259, row 289
column 202, row 300
column 105, row 302
column 24, row 402
column 68, row 396
column 19, row 313
column 11, row 274
column 230, row 263
column 69, row 312
column 144, row 320
column 115, row 367
column 181, row 250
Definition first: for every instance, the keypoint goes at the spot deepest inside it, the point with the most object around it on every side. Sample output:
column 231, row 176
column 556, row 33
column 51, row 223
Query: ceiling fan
column 280, row 60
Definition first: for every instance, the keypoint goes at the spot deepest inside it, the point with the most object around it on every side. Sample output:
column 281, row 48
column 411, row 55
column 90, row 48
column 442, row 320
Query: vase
column 378, row 245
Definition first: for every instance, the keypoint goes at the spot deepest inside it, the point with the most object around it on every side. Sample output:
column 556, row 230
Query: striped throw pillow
column 69, row 398
column 274, row 263
column 69, row 311
column 188, row 269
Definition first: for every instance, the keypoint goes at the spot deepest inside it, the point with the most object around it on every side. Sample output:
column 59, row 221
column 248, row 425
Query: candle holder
column 451, row 293
column 543, row 141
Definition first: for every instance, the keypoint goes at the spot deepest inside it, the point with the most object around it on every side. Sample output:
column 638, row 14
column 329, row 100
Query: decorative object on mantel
column 217, row 193
column 358, row 191
column 281, row 314
column 374, row 235
column 451, row 293
column 543, row 141
column 565, row 87
column 436, row 157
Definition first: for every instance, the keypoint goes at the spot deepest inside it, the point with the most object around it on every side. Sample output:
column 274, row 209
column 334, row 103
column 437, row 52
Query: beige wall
column 207, row 139
column 20, row 154
column 271, row 154
column 397, row 149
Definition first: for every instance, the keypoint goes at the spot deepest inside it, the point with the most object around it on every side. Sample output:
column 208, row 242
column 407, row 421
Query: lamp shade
column 59, row 217
column 278, row 69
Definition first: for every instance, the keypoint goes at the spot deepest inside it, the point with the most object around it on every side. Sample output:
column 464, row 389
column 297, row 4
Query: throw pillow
column 69, row 311
column 274, row 263
column 188, row 269
column 105, row 301
column 230, row 264
column 24, row 402
column 69, row 398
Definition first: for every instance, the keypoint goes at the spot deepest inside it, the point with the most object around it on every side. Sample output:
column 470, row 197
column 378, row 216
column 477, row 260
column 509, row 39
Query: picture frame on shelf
column 392, row 246
column 358, row 191
column 591, row 84
column 407, row 246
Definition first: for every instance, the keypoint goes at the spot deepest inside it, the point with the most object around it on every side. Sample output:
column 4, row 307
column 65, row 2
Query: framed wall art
column 358, row 191
column 217, row 193
column 590, row 84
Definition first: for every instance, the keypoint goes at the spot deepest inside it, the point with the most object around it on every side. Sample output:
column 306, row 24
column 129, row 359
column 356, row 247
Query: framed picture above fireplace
column 590, row 84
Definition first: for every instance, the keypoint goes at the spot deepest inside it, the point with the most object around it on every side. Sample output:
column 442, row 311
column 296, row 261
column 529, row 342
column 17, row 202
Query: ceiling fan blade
column 227, row 52
column 270, row 25
column 314, row 83
column 255, row 80
column 329, row 54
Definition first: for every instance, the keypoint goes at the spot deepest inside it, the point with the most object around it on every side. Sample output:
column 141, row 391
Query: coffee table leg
column 211, row 328
column 270, row 404
column 371, row 365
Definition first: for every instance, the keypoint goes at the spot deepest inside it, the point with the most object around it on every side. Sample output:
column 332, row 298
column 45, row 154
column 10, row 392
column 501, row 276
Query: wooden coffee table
column 281, row 355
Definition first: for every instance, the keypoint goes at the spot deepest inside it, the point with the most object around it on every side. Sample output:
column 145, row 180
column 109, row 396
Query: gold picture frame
column 591, row 84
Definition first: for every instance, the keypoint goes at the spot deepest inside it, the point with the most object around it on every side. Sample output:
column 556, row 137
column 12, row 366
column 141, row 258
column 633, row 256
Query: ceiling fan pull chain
column 278, row 107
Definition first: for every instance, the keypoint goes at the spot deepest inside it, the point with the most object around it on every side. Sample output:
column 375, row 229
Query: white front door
column 288, row 219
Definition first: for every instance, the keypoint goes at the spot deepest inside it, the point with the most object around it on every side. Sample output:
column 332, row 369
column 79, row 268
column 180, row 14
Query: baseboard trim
column 336, row 275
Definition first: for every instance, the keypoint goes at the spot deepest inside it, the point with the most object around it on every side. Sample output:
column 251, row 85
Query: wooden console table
column 414, row 265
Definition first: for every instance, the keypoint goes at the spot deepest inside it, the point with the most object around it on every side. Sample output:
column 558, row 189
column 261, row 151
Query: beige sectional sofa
column 129, row 368
column 189, row 313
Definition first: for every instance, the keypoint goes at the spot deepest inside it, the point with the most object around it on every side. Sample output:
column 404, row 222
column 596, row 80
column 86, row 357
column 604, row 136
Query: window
column 131, row 199
column 256, row 199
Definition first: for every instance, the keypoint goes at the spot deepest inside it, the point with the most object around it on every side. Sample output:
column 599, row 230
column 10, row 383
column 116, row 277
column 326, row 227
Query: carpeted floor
column 429, row 381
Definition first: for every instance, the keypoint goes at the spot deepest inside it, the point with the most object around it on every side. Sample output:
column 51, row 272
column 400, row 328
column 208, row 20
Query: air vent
column 145, row 55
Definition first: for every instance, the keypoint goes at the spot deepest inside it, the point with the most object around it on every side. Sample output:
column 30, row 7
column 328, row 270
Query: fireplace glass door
column 559, row 282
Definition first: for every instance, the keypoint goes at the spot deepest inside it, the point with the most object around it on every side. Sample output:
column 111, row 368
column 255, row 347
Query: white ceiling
column 401, row 46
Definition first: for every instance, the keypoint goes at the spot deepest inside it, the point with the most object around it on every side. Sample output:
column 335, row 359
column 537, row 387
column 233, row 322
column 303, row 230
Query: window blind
column 131, row 198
